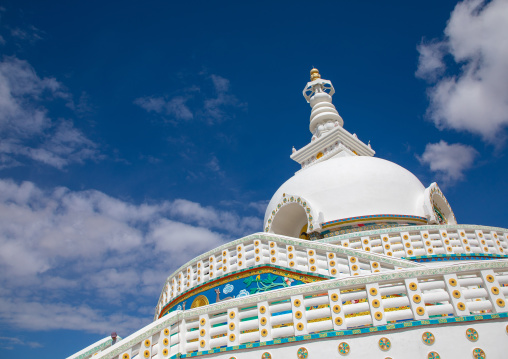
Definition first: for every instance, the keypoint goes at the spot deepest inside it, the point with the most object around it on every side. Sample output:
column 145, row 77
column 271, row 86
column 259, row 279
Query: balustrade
column 339, row 304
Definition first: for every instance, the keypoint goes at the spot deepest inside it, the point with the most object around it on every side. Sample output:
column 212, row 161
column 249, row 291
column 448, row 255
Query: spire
column 323, row 117
column 329, row 138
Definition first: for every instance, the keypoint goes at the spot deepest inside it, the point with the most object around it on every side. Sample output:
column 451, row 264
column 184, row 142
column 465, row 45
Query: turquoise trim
column 375, row 217
column 344, row 333
column 455, row 257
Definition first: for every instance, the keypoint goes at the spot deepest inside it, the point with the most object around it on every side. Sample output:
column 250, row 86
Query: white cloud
column 175, row 107
column 476, row 99
column 10, row 342
column 213, row 164
column 209, row 217
column 214, row 108
column 448, row 162
column 30, row 33
column 26, row 131
column 87, row 255
column 259, row 206
column 430, row 63
column 33, row 315
column 207, row 106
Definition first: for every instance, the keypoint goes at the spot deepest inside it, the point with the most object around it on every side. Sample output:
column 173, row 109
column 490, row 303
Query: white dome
column 341, row 188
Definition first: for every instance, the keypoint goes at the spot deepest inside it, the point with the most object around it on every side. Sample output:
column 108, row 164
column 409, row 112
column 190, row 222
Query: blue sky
column 136, row 135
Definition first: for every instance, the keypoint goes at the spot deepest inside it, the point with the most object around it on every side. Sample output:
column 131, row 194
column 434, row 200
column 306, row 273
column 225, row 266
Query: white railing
column 339, row 304
column 427, row 240
column 359, row 253
column 262, row 249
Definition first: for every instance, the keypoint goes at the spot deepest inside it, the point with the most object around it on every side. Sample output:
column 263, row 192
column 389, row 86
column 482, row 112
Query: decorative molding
column 327, row 244
column 242, row 273
column 288, row 199
column 457, row 256
column 316, row 245
column 410, row 229
column 375, row 217
column 343, row 284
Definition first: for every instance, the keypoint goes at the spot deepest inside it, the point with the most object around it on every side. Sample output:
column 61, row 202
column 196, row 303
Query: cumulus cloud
column 79, row 259
column 448, row 162
column 26, row 130
column 476, row 98
column 210, row 106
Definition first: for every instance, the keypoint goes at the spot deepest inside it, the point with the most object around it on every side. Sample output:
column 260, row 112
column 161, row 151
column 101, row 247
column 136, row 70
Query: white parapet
column 444, row 301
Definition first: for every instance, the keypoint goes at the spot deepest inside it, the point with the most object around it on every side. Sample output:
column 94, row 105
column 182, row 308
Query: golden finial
column 314, row 74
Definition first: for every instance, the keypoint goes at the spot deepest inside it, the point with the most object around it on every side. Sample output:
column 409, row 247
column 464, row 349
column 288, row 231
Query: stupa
column 357, row 259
